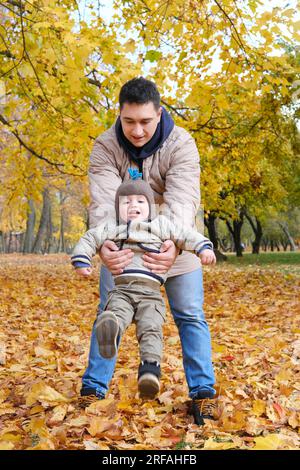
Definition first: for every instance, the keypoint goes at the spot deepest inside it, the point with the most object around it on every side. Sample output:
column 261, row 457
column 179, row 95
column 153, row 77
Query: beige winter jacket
column 140, row 236
column 173, row 173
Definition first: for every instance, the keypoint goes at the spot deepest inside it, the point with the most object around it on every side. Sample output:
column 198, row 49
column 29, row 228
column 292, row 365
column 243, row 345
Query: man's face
column 139, row 122
column 133, row 207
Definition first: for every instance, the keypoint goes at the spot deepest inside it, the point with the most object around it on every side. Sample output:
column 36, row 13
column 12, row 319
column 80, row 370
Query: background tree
column 228, row 73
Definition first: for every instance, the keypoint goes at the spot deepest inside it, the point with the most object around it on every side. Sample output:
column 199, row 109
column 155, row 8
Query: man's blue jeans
column 185, row 295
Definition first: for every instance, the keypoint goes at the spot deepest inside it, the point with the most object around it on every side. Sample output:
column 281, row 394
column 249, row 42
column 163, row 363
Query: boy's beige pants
column 139, row 301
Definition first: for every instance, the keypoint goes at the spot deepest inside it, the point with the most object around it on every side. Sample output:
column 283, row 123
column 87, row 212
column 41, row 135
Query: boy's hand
column 208, row 257
column 84, row 271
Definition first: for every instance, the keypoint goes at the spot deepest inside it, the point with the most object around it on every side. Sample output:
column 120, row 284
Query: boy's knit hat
column 138, row 187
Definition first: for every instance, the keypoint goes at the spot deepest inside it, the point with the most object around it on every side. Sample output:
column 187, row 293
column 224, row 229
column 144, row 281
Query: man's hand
column 84, row 271
column 114, row 259
column 160, row 263
column 208, row 257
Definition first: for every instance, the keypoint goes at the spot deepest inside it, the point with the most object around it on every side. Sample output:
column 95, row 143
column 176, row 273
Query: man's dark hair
column 141, row 91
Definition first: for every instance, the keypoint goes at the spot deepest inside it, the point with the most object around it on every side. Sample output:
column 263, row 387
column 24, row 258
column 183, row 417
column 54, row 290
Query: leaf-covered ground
column 46, row 315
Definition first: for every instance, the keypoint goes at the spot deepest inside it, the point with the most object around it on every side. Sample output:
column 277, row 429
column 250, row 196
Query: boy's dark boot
column 148, row 379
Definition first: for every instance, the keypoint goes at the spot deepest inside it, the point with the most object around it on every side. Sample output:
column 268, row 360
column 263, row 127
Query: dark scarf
column 138, row 154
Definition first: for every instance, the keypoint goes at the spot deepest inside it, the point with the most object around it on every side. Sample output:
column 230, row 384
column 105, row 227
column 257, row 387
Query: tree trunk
column 1, row 242
column 9, row 248
column 50, row 241
column 265, row 244
column 22, row 236
column 257, row 229
column 210, row 223
column 42, row 231
column 62, row 244
column 5, row 242
column 288, row 235
column 235, row 231
column 62, row 247
column 3, row 247
column 224, row 244
column 28, row 242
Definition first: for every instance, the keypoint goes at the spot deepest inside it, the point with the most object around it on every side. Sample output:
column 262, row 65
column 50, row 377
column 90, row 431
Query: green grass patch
column 286, row 257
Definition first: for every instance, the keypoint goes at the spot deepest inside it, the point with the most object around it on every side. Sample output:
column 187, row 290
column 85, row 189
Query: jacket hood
column 137, row 154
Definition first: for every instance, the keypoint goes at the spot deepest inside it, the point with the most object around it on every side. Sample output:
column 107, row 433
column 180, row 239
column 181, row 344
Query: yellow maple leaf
column 6, row 445
column 44, row 393
column 284, row 375
column 269, row 442
column 211, row 444
column 99, row 425
column 151, row 414
column 45, row 444
column 10, row 437
column 43, row 352
column 218, row 348
column 101, row 406
column 294, row 420
column 79, row 422
column 259, row 407
column 58, row 415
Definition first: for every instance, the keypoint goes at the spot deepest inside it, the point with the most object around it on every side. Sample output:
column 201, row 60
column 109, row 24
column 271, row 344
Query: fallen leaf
column 4, row 394
column 43, row 393
column 241, row 392
column 280, row 411
column 10, row 437
column 151, row 414
column 45, row 444
column 294, row 419
column 7, row 411
column 91, row 445
column 101, row 406
column 269, row 442
column 218, row 348
column 6, row 445
column 79, row 422
column 2, row 353
column 99, row 425
column 259, row 407
column 227, row 358
column 58, row 415
column 212, row 444
column 166, row 398
column 43, row 352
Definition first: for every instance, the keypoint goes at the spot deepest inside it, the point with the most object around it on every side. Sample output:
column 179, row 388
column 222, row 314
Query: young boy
column 136, row 296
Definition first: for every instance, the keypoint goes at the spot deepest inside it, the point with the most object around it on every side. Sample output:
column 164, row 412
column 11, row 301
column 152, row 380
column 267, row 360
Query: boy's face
column 133, row 207
column 139, row 122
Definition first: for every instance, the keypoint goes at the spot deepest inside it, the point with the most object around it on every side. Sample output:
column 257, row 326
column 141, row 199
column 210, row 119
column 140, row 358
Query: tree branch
column 34, row 153
column 16, row 3
column 238, row 40
column 174, row 109
column 94, row 82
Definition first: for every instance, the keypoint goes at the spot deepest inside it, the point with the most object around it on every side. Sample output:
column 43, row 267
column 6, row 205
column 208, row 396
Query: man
column 145, row 140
